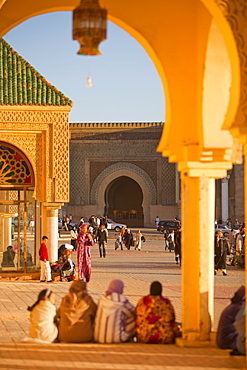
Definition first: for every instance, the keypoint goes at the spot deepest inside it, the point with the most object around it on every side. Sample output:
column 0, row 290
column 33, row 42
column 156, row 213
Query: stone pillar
column 50, row 229
column 7, row 232
column 198, row 209
column 225, row 197
column 2, row 249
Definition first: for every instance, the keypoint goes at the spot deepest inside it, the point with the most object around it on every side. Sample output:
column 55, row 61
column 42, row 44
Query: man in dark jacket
column 101, row 237
column 221, row 250
column 177, row 242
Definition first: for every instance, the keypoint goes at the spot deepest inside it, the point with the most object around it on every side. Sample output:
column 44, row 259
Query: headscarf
column 116, row 286
column 239, row 295
column 78, row 286
column 155, row 288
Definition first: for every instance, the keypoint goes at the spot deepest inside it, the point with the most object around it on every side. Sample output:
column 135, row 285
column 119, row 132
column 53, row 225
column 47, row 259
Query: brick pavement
column 137, row 270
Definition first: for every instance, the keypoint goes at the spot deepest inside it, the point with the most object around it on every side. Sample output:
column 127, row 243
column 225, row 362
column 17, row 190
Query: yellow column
column 245, row 208
column 50, row 229
column 198, row 213
column 7, row 232
column 2, row 248
column 197, row 258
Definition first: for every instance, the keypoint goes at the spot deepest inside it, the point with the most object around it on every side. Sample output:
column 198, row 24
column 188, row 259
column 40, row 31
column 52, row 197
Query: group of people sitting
column 113, row 320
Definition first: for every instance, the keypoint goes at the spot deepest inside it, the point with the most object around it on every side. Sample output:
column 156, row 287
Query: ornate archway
column 123, row 199
column 132, row 171
column 17, row 207
column 15, row 168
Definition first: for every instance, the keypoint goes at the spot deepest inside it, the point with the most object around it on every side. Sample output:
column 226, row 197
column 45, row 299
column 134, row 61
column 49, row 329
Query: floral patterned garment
column 84, row 257
column 155, row 320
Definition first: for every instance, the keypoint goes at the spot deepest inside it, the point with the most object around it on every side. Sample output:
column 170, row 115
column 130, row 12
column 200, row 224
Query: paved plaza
column 137, row 270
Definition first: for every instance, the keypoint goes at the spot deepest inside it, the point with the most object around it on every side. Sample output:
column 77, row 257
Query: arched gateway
column 17, row 206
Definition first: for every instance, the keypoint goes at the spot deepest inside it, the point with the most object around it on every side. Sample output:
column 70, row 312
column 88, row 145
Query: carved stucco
column 235, row 11
column 41, row 135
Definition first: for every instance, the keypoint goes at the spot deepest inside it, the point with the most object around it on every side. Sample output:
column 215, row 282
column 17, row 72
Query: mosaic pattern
column 14, row 167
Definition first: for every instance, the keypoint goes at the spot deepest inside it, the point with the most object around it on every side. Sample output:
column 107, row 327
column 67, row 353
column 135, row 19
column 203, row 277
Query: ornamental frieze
column 32, row 116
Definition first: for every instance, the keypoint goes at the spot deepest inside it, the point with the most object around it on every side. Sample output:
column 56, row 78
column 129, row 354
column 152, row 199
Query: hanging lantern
column 89, row 26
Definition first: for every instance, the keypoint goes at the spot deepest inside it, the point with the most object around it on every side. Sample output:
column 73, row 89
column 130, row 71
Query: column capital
column 214, row 170
column 52, row 209
column 51, row 205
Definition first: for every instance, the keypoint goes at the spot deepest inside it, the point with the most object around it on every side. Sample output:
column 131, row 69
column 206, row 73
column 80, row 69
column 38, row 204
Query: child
column 45, row 271
column 42, row 314
column 119, row 242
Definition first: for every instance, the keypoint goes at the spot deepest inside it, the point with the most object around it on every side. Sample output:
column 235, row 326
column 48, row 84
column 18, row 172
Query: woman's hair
column 155, row 288
column 46, row 293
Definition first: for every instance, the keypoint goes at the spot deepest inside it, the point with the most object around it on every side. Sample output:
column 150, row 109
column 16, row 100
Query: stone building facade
column 116, row 170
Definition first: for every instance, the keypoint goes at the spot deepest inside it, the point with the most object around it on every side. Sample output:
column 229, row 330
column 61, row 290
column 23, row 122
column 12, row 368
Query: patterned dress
column 155, row 320
column 84, row 256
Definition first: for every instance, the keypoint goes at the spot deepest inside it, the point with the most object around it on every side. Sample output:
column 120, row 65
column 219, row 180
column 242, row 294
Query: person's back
column 42, row 326
column 115, row 322
column 76, row 315
column 240, row 326
column 155, row 318
column 226, row 333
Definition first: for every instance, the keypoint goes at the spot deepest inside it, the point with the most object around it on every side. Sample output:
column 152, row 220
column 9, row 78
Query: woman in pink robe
column 84, row 241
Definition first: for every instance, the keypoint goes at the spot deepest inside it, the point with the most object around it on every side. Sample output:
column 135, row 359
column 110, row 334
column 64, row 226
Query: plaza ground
column 137, row 270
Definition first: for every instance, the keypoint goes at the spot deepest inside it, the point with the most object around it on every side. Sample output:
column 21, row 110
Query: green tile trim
column 21, row 84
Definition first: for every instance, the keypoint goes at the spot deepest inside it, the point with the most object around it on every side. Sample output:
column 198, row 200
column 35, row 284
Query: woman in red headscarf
column 84, row 241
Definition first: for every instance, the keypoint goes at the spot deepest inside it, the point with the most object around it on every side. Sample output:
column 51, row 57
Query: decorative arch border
column 16, row 169
column 123, row 169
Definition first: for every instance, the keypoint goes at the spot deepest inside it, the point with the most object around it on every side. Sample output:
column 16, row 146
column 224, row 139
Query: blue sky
column 126, row 85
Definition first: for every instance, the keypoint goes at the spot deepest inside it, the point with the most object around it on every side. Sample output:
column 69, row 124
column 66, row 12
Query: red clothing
column 43, row 252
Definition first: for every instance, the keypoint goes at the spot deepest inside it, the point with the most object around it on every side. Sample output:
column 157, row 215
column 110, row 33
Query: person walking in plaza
column 177, row 243
column 42, row 317
column 101, row 238
column 73, row 238
column 221, row 250
column 155, row 318
column 138, row 240
column 128, row 239
column 76, row 315
column 171, row 244
column 232, row 245
column 119, row 241
column 157, row 220
column 115, row 317
column 84, row 242
column 45, row 269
